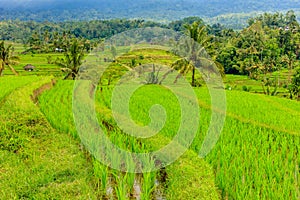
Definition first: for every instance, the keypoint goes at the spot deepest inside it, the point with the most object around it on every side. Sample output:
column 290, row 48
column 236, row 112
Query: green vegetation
column 6, row 58
column 38, row 34
column 9, row 84
column 255, row 154
column 40, row 62
column 258, row 149
column 73, row 60
column 43, row 156
column 55, row 101
column 295, row 87
column 256, row 145
column 265, row 50
column 251, row 159
column 37, row 162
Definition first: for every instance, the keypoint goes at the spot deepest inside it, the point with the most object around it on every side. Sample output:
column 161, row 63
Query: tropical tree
column 7, row 58
column 179, row 25
column 290, row 61
column 194, row 52
column 73, row 60
column 113, row 50
column 184, row 66
column 35, row 42
column 295, row 87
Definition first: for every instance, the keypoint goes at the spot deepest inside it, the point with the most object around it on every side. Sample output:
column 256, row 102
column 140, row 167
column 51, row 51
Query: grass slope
column 37, row 162
column 188, row 178
column 10, row 83
column 257, row 155
column 44, row 62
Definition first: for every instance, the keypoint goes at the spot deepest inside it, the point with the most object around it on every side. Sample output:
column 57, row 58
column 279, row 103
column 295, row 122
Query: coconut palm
column 193, row 50
column 290, row 61
column 295, row 87
column 73, row 60
column 7, row 58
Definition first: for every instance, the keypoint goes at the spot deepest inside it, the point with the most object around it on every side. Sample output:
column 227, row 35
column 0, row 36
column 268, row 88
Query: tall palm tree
column 198, row 32
column 183, row 66
column 7, row 58
column 73, row 60
column 289, row 60
column 296, row 84
column 195, row 50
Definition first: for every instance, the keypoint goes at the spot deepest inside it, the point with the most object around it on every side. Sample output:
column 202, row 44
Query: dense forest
column 269, row 43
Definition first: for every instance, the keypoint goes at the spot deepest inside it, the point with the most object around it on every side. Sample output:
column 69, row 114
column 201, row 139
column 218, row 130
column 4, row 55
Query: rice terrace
column 147, row 106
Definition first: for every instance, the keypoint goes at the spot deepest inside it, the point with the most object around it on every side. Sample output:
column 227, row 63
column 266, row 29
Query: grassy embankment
column 36, row 161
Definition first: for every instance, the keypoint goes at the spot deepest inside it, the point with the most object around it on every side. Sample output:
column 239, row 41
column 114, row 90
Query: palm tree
column 7, row 58
column 184, row 66
column 295, row 87
column 195, row 50
column 73, row 60
column 289, row 60
column 198, row 32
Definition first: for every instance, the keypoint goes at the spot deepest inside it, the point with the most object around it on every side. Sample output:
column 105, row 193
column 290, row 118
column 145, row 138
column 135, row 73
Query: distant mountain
column 201, row 7
column 159, row 10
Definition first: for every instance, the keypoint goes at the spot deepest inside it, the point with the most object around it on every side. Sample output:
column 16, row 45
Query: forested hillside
column 266, row 46
column 231, row 13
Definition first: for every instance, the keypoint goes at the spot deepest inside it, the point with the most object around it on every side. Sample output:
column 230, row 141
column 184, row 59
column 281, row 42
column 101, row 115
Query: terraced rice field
column 257, row 155
column 36, row 161
column 41, row 155
column 40, row 62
